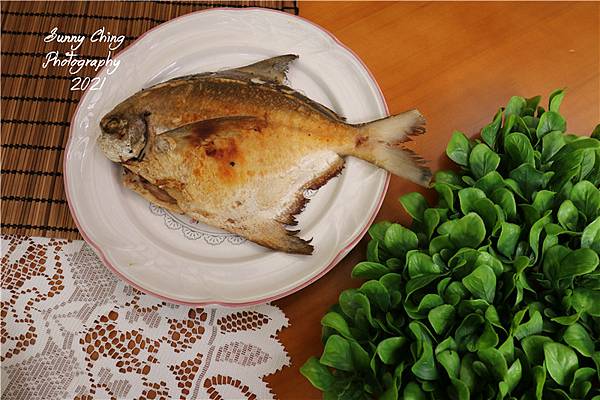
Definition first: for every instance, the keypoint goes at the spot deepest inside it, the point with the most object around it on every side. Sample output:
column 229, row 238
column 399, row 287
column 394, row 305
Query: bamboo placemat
column 37, row 104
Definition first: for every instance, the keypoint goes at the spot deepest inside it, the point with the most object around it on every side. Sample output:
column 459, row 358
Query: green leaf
column 578, row 262
column 369, row 270
column 467, row 198
column 509, row 237
column 373, row 251
column 543, row 201
column 551, row 144
column 539, row 377
column 412, row 391
column 586, row 198
column 458, row 148
column 561, row 362
column 419, row 263
column 552, row 263
column 519, row 148
column 535, row 232
column 398, row 240
column 582, row 382
column 415, row 205
column 446, row 355
column 360, row 358
column 591, row 236
column 446, row 195
column 512, row 379
column 489, row 132
column 337, row 354
column 506, row 200
column 377, row 231
column 454, row 293
column 336, row 322
column 483, row 160
column 318, row 374
column 469, row 231
column 494, row 361
column 556, row 99
column 481, row 283
column 377, row 294
column 568, row 215
column 586, row 300
column 424, row 367
column 515, row 106
column 531, row 327
column 390, row 350
column 441, row 317
column 432, row 218
column 577, row 337
column 550, row 121
column 533, row 346
column 468, row 331
column 490, row 182
column 528, row 179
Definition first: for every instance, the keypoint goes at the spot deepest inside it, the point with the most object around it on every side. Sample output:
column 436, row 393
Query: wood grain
column 458, row 63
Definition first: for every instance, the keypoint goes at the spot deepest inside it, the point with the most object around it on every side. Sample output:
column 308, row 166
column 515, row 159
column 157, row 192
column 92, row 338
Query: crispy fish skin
column 236, row 149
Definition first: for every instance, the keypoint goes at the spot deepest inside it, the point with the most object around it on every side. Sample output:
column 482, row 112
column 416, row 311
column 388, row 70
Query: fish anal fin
column 293, row 207
column 272, row 69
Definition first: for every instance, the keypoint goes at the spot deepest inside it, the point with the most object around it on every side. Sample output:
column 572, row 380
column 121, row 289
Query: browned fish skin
column 236, row 150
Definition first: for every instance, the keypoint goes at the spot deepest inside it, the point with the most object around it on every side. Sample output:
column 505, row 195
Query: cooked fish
column 236, row 149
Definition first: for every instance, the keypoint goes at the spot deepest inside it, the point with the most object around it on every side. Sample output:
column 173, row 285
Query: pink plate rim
column 342, row 253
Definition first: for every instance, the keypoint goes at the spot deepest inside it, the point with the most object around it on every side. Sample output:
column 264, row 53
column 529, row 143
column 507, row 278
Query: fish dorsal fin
column 272, row 69
column 197, row 132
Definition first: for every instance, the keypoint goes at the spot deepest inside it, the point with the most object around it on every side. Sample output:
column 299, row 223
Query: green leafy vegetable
column 494, row 291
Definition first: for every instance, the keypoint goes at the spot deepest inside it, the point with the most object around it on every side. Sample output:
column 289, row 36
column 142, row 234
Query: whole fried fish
column 236, row 149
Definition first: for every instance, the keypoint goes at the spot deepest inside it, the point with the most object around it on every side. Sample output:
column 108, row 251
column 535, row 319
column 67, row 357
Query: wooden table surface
column 457, row 63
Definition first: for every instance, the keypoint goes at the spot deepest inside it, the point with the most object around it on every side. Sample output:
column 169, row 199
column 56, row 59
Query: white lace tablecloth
column 70, row 329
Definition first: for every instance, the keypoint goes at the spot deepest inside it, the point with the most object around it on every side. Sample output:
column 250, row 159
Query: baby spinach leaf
column 506, row 200
column 412, row 391
column 533, row 346
column 398, row 240
column 441, row 317
column 494, row 361
column 578, row 262
column 515, row 106
column 509, row 237
column 561, row 362
column 469, row 231
column 531, row 327
column 483, row 160
column 490, row 182
column 390, row 350
column 318, row 374
column 528, row 179
column 550, row 121
column 590, row 237
column 489, row 132
column 555, row 100
column 337, row 354
column 568, row 215
column 519, row 149
column 513, row 376
column 578, row 338
column 539, row 377
column 582, row 382
column 481, row 283
column 377, row 231
column 336, row 322
column 458, row 148
column 419, row 263
column 586, row 300
column 377, row 294
column 586, row 198
column 552, row 142
column 415, row 205
column 446, row 355
column 467, row 198
column 369, row 270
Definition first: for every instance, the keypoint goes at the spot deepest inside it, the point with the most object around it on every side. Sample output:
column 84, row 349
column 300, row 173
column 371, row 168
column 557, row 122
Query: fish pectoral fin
column 196, row 132
column 272, row 69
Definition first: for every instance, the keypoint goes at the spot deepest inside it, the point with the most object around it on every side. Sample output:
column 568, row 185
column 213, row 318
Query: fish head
column 123, row 136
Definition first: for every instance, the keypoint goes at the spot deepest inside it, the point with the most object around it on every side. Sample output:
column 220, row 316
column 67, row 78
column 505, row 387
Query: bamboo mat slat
column 37, row 105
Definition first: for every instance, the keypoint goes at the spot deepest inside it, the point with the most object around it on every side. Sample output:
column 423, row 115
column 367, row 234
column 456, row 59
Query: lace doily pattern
column 70, row 329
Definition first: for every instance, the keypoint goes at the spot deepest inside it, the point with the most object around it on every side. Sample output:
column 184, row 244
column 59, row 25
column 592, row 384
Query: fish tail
column 380, row 143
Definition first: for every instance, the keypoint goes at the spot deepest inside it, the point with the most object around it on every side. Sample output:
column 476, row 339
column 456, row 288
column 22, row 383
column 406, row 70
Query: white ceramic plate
column 174, row 258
